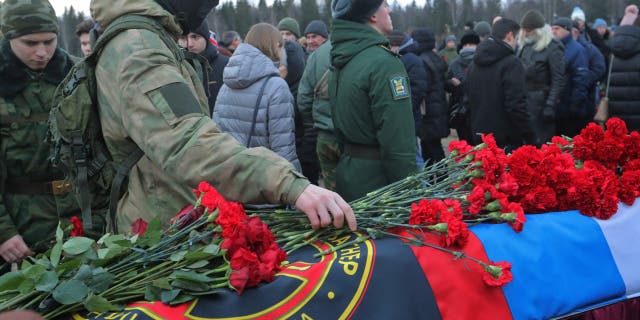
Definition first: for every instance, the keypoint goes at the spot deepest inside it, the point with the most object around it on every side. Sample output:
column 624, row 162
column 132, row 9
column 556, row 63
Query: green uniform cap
column 21, row 17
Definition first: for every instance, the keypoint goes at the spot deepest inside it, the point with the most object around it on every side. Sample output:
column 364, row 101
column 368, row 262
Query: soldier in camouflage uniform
column 33, row 194
column 150, row 100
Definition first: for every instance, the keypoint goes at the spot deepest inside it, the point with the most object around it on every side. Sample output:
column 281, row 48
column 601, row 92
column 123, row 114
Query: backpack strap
column 86, row 168
column 255, row 110
column 122, row 172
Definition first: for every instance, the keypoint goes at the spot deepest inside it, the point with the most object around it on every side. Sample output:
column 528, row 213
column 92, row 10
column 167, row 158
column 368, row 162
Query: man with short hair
column 230, row 41
column 150, row 99
column 33, row 194
column 497, row 91
column 573, row 113
column 83, row 30
column 289, row 29
column 371, row 100
column 197, row 41
column 316, row 34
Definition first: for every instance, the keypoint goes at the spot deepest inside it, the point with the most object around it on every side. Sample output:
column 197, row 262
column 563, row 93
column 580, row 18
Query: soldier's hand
column 321, row 206
column 14, row 249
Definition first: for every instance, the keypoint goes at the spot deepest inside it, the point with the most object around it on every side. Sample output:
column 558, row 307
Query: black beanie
column 203, row 30
column 469, row 36
column 533, row 19
column 564, row 23
column 318, row 27
column 354, row 10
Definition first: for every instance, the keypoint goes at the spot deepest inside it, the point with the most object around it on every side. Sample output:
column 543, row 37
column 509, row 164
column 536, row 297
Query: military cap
column 21, row 17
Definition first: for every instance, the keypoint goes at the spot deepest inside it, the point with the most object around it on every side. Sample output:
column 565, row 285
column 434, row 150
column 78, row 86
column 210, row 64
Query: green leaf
column 189, row 285
column 68, row 265
column 47, row 282
column 182, row 299
column 34, row 271
column 95, row 303
column 27, row 286
column 207, row 293
column 198, row 264
column 112, row 252
column 152, row 293
column 59, row 233
column 77, row 245
column 178, row 256
column 101, row 280
column 11, row 280
column 191, row 276
column 166, row 296
column 212, row 249
column 56, row 253
column 152, row 235
column 199, row 255
column 84, row 273
column 162, row 283
column 70, row 292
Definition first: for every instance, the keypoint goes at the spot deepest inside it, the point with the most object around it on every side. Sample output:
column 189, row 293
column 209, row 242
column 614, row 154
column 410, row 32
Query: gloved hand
column 548, row 114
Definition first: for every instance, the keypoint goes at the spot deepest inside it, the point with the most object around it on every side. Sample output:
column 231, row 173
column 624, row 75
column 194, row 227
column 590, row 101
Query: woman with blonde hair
column 255, row 105
column 543, row 59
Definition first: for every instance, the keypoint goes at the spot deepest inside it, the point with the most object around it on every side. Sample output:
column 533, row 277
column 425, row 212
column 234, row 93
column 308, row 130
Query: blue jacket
column 573, row 101
column 597, row 67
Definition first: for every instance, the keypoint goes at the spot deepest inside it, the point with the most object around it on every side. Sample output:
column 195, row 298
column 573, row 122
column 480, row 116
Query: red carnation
column 616, row 128
column 138, row 227
column 497, row 274
column 78, row 230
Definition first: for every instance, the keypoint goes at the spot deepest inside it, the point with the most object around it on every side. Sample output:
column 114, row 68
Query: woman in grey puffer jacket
column 253, row 63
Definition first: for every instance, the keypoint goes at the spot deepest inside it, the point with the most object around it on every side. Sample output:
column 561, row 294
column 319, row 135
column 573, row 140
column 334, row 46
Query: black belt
column 56, row 187
column 362, row 151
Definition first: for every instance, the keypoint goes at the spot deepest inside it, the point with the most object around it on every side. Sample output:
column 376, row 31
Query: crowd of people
column 351, row 107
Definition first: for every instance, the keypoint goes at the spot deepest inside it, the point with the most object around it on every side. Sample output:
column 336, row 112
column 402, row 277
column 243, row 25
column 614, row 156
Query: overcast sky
column 83, row 5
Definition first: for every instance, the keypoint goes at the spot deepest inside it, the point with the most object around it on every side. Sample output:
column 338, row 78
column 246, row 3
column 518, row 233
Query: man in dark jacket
column 403, row 44
column 573, row 112
column 435, row 120
column 198, row 42
column 543, row 60
column 497, row 92
column 371, row 100
column 457, row 80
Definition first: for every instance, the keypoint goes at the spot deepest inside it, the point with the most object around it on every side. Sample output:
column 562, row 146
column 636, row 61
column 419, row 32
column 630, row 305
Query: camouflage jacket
column 150, row 99
column 25, row 99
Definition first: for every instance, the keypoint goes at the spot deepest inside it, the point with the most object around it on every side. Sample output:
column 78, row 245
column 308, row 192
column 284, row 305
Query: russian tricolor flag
column 563, row 262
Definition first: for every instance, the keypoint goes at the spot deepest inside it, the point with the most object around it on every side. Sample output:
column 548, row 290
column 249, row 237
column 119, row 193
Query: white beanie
column 578, row 14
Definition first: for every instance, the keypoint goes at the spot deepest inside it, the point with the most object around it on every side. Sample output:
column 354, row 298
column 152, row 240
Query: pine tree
column 309, row 13
column 244, row 20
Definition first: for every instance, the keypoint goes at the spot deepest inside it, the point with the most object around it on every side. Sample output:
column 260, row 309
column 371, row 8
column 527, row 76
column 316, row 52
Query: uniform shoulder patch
column 399, row 87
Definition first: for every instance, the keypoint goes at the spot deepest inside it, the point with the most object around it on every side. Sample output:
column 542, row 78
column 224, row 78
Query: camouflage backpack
column 79, row 148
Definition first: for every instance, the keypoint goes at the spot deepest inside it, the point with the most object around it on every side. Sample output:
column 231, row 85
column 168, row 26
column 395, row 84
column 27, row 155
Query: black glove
column 548, row 114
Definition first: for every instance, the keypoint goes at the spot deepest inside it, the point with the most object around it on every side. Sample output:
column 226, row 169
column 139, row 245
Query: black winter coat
column 435, row 121
column 624, row 89
column 545, row 81
column 498, row 96
column 217, row 62
column 418, row 79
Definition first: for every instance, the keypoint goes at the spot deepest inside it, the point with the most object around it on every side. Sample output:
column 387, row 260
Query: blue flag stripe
column 561, row 262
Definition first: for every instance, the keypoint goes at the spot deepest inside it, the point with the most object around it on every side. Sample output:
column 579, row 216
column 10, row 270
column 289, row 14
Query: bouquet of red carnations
column 210, row 245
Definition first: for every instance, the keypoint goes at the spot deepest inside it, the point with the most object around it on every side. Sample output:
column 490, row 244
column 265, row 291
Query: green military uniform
column 448, row 54
column 33, row 194
column 372, row 115
column 149, row 99
column 315, row 107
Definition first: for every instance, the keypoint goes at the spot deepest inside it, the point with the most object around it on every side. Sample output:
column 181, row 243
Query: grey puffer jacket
column 243, row 78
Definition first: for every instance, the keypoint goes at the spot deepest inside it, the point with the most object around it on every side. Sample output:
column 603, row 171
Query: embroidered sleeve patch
column 399, row 87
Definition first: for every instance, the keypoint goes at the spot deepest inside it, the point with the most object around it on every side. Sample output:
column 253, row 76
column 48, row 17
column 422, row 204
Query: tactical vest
column 75, row 129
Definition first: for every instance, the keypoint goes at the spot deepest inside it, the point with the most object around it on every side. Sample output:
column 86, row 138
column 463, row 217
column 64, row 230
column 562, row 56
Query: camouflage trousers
column 328, row 151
